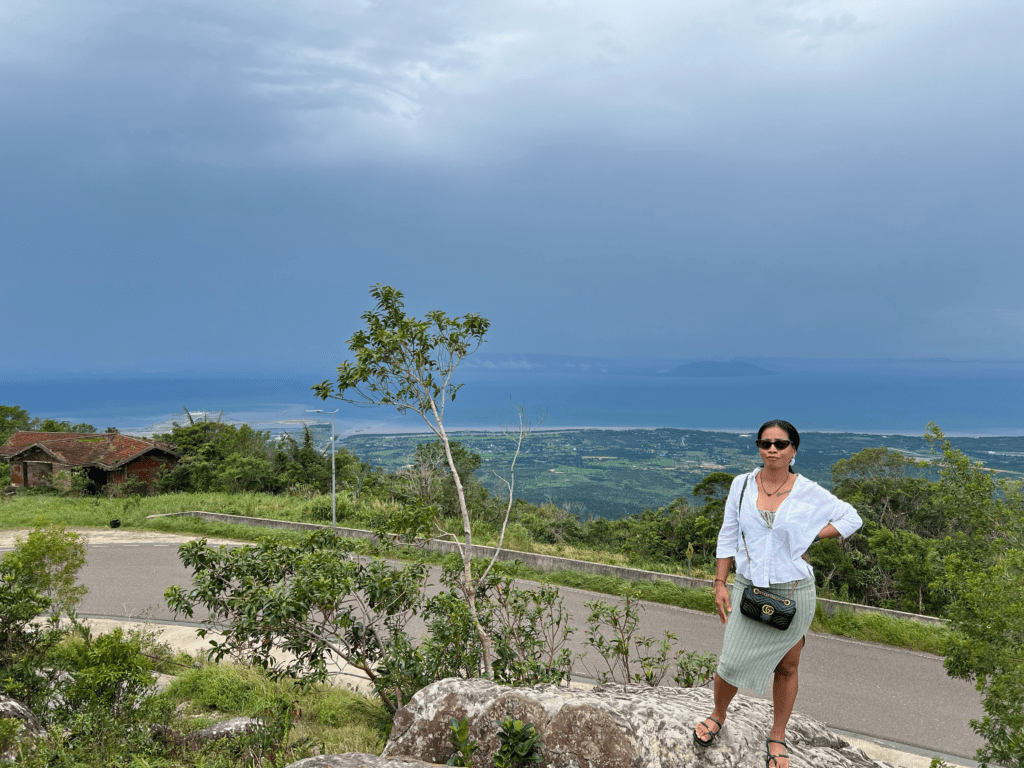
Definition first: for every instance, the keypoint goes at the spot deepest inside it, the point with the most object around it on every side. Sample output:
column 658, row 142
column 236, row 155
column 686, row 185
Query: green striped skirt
column 752, row 649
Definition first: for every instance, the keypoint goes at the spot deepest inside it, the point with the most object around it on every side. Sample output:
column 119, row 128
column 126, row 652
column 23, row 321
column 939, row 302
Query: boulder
column 358, row 760
column 610, row 726
column 13, row 709
column 226, row 729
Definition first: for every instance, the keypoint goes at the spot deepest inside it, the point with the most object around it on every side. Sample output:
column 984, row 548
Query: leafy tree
column 302, row 465
column 409, row 363
column 911, row 568
column 13, row 418
column 52, row 425
column 246, row 474
column 889, row 488
column 987, row 619
column 971, row 497
column 550, row 524
column 216, row 456
column 714, row 490
column 984, row 576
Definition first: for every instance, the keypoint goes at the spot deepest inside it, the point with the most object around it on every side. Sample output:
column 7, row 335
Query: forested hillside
column 611, row 473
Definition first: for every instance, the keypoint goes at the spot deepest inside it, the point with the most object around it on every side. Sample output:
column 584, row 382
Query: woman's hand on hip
column 722, row 602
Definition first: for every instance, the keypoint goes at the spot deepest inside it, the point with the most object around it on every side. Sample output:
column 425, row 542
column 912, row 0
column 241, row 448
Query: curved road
column 857, row 687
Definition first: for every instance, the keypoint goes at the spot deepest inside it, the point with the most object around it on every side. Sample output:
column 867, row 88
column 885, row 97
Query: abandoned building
column 48, row 458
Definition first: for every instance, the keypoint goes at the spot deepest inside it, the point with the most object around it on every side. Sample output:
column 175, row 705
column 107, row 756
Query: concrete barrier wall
column 545, row 563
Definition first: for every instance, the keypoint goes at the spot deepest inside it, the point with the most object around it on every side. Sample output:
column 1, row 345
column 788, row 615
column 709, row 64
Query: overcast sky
column 217, row 183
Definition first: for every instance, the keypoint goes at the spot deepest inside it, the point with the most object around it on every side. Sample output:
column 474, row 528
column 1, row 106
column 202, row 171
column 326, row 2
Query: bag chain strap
column 743, row 535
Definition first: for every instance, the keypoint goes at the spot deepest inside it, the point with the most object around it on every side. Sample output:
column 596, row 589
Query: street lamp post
column 334, row 502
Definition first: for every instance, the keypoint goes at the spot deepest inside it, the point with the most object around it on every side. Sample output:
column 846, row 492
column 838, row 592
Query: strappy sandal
column 774, row 758
column 712, row 735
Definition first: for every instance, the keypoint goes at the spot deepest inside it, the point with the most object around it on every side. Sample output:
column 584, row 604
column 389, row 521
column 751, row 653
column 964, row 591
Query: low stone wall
column 546, row 563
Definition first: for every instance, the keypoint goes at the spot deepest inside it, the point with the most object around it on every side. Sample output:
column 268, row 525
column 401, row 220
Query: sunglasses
column 780, row 445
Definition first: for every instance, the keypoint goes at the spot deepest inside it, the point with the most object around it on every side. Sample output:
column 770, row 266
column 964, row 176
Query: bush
column 48, row 560
column 37, row 576
column 320, row 508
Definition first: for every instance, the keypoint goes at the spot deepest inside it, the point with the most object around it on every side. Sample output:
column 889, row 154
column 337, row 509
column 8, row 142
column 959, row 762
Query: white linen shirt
column 775, row 551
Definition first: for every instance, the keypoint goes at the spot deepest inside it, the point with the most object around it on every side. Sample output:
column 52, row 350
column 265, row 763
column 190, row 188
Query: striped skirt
column 752, row 649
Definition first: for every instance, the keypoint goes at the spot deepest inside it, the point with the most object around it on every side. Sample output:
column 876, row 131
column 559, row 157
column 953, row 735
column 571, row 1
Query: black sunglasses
column 780, row 445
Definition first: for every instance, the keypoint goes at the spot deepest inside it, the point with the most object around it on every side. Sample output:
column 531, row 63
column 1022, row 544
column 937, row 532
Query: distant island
column 709, row 368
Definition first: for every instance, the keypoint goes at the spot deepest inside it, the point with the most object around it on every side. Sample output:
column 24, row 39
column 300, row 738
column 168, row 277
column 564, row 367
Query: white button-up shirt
column 775, row 552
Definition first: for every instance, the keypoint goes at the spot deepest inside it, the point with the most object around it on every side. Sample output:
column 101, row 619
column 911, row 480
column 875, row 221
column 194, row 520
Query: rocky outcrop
column 611, row 726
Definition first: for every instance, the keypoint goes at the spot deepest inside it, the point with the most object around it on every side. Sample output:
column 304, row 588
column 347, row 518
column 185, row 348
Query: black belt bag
column 761, row 605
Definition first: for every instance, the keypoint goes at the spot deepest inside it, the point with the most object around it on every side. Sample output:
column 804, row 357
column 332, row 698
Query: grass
column 877, row 628
column 336, row 719
column 26, row 511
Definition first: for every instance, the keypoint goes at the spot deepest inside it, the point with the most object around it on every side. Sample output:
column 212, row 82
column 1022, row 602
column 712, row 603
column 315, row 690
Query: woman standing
column 772, row 516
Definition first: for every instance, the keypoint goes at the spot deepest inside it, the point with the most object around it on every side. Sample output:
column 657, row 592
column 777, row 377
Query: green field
column 610, row 473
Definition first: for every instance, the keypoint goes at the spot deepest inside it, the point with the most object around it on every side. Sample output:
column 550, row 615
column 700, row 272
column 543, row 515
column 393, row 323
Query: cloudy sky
column 217, row 183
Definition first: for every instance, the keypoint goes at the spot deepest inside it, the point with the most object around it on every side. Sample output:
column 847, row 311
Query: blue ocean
column 963, row 398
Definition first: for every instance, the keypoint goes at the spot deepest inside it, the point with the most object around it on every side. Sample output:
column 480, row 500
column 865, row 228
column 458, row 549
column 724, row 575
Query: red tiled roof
column 107, row 450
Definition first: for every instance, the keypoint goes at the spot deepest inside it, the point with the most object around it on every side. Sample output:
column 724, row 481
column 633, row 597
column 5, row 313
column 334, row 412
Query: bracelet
column 723, row 583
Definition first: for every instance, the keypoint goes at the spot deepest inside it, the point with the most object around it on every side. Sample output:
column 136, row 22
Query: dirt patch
column 115, row 536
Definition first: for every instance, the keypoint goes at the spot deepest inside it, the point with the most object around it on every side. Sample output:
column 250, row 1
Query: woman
column 781, row 515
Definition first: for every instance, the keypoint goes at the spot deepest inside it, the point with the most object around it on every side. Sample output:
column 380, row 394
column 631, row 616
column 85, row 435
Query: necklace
column 778, row 491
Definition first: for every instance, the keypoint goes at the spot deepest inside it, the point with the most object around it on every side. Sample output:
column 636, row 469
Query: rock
column 227, row 729
column 12, row 709
column 358, row 760
column 611, row 726
column 236, row 726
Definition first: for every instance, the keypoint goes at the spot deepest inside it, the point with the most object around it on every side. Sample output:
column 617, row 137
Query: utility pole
column 334, row 500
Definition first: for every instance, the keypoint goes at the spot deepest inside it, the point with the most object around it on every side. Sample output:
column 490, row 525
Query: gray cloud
column 596, row 177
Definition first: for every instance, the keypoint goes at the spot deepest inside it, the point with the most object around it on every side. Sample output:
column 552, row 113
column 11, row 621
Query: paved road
column 861, row 688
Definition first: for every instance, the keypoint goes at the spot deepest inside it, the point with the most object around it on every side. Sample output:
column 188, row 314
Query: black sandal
column 712, row 735
column 771, row 757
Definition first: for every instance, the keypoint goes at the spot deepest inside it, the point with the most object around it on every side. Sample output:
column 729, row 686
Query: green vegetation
column 95, row 694
column 464, row 746
column 409, row 363
column 335, row 719
column 13, row 418
column 520, row 746
column 612, row 473
column 877, row 628
column 632, row 658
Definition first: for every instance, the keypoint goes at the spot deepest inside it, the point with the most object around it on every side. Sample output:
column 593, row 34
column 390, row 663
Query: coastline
column 387, row 428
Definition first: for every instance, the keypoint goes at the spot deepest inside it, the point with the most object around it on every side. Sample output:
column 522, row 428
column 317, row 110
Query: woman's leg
column 724, row 693
column 784, row 697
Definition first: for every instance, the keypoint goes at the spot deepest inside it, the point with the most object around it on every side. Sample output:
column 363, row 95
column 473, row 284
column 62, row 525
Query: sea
column 965, row 398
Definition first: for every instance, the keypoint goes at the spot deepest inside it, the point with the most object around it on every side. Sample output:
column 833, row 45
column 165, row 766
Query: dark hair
column 788, row 428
